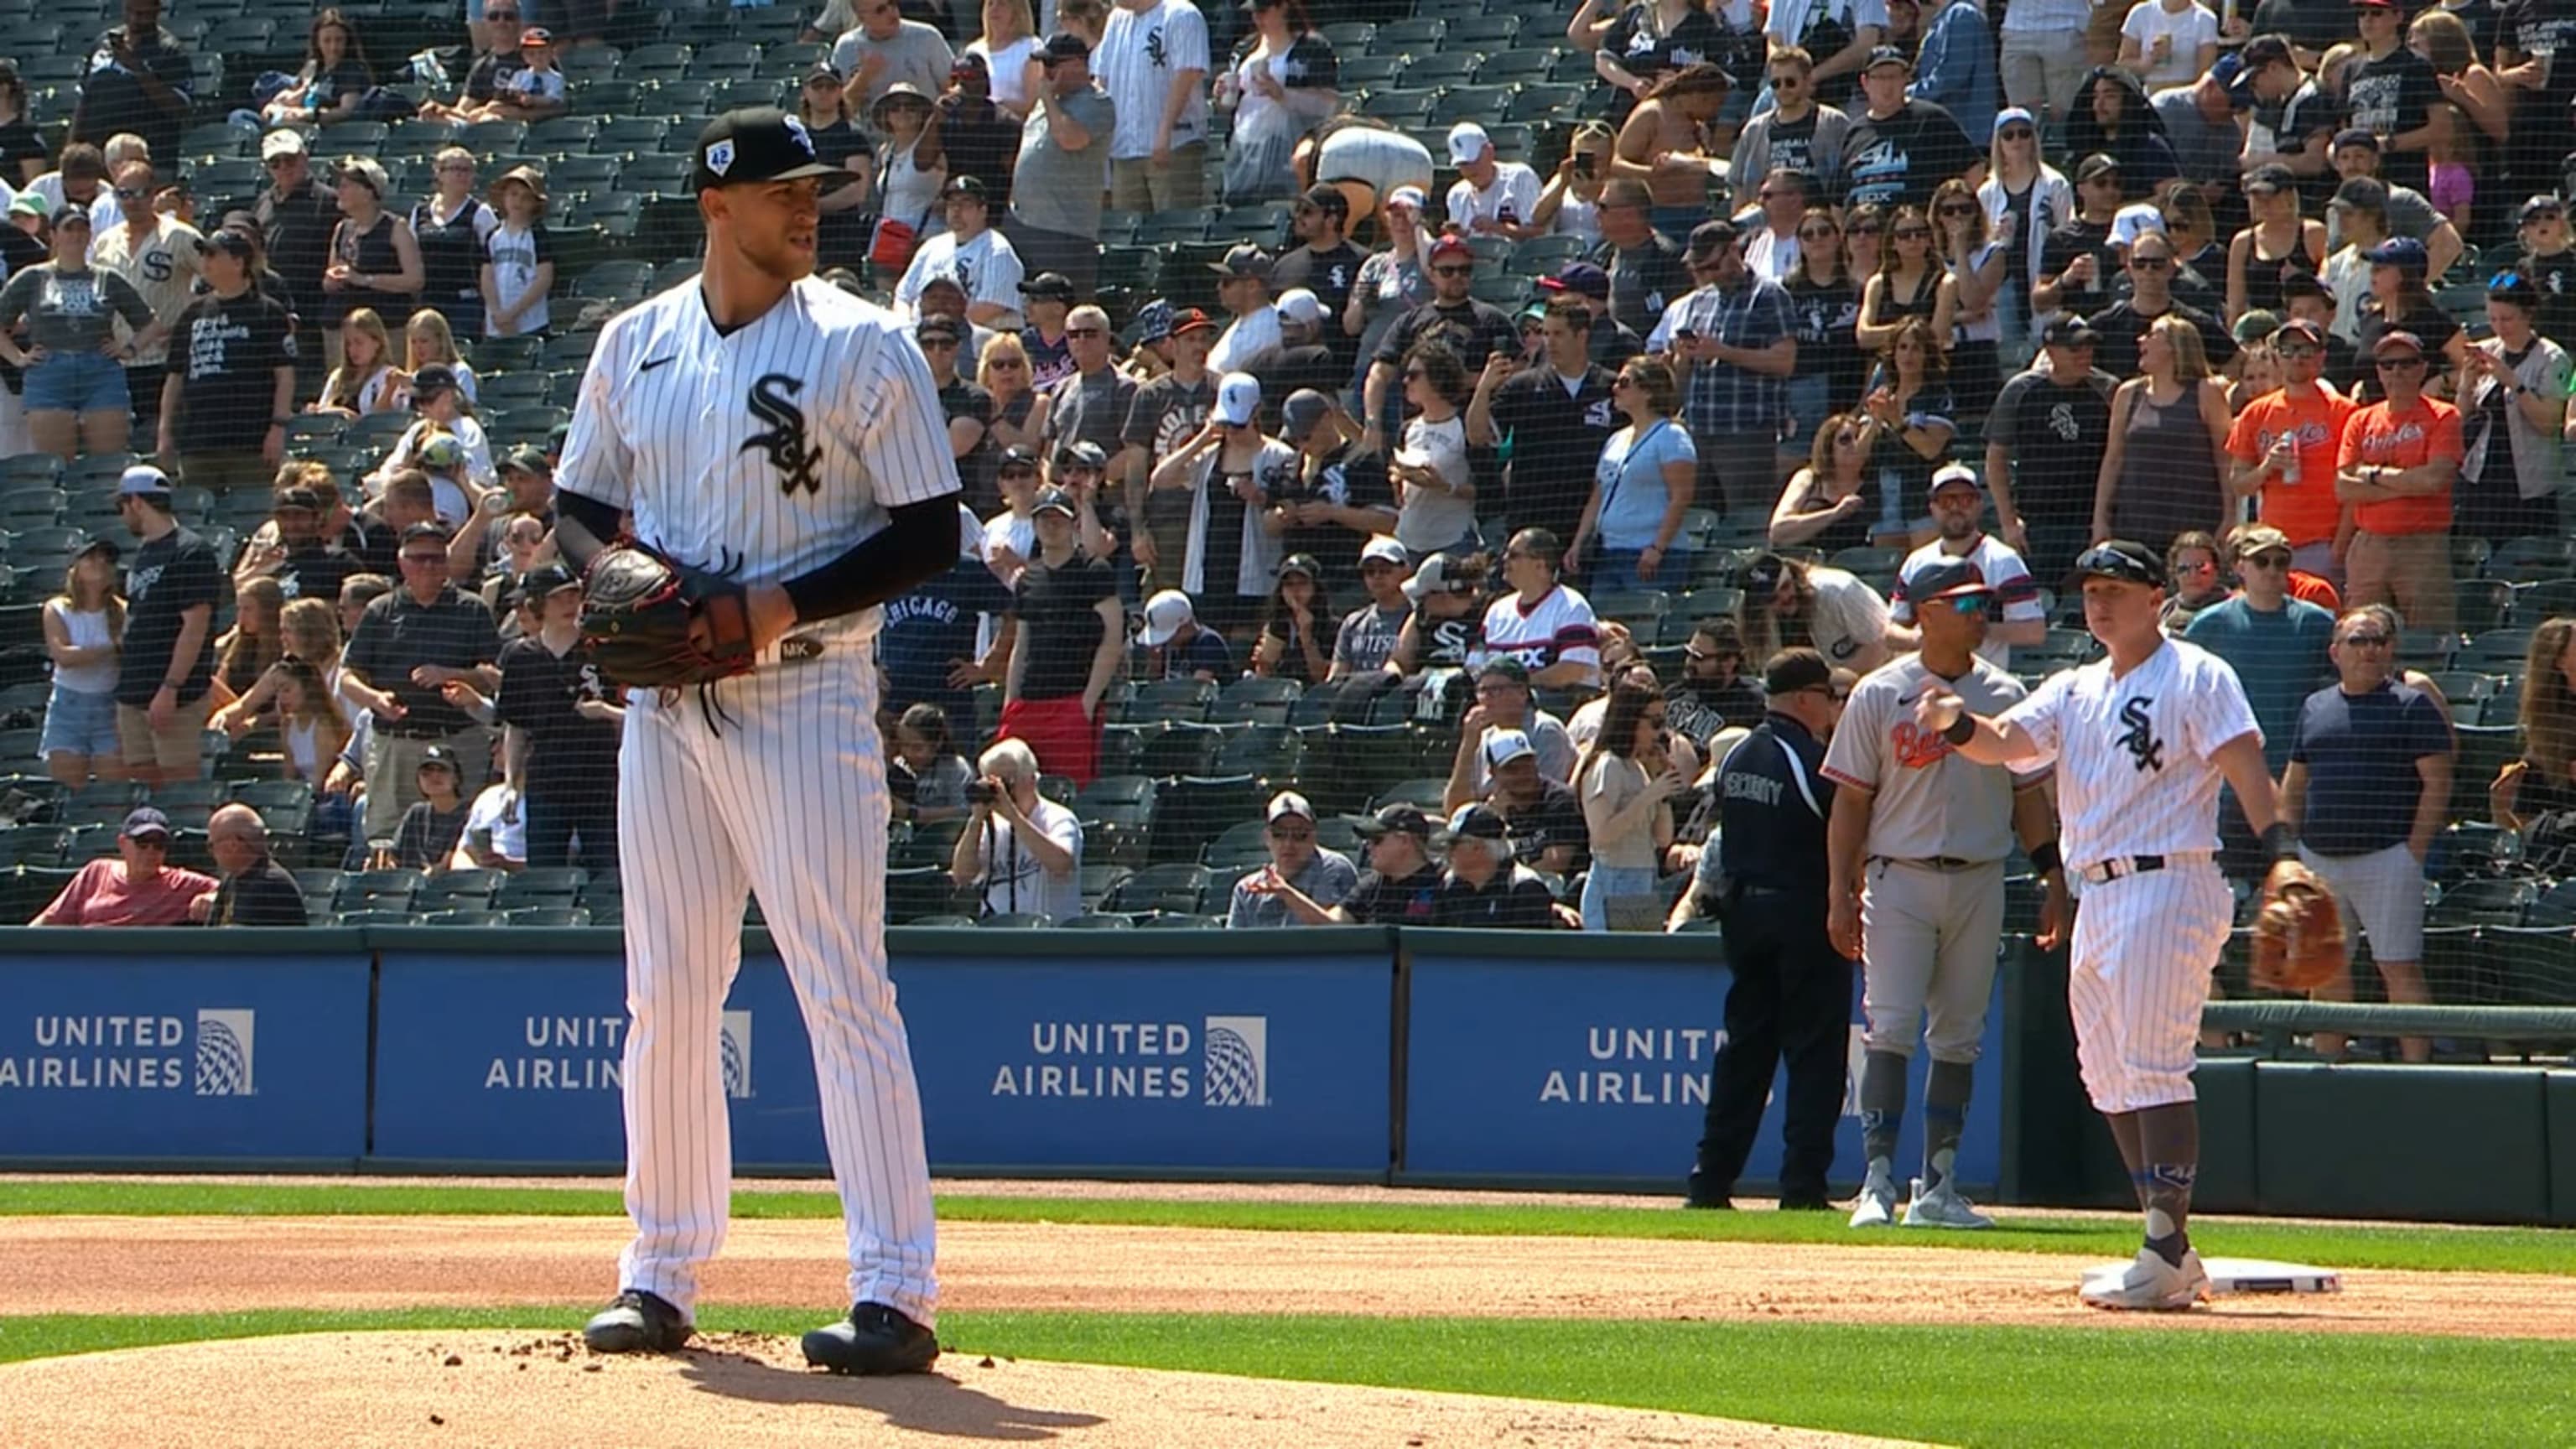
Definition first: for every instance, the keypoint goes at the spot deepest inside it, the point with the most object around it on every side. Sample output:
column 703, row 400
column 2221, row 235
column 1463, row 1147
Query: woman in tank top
column 83, row 625
column 1909, row 283
column 375, row 259
column 1826, row 506
column 2160, row 475
column 2278, row 243
column 451, row 227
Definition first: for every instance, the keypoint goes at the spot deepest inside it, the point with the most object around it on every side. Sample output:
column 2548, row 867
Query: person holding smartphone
column 1569, row 205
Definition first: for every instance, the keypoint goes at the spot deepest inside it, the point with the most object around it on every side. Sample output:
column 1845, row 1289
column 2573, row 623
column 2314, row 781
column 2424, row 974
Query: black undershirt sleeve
column 583, row 526
column 919, row 542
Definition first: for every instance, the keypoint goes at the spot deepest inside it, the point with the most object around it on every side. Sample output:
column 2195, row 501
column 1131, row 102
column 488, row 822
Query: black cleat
column 874, row 1339
column 1701, row 1191
column 638, row 1322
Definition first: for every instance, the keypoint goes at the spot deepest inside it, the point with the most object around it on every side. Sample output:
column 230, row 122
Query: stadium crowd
column 1390, row 458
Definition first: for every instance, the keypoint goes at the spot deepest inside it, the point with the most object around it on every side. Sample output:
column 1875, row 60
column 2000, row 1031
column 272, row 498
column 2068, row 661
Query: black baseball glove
column 652, row 622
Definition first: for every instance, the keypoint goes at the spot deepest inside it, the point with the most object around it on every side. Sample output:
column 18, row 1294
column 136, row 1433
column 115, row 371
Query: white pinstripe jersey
column 2133, row 770
column 780, row 445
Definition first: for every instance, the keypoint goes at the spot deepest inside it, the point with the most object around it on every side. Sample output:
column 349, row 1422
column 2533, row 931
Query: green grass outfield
column 1980, row 1386
column 2437, row 1249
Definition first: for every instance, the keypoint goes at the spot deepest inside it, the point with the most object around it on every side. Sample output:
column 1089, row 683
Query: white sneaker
column 2151, row 1285
column 1942, row 1207
column 1877, row 1205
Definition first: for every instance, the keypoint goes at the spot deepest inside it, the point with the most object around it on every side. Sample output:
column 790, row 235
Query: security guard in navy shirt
column 1792, row 993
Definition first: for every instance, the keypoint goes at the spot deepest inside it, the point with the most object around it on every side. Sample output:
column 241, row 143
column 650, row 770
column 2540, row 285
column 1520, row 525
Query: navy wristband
column 2278, row 840
column 2044, row 857
column 1961, row 730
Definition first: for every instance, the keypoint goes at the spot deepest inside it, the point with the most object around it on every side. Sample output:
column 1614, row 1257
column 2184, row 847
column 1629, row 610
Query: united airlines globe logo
column 736, row 1054
column 1237, row 1062
column 225, row 1040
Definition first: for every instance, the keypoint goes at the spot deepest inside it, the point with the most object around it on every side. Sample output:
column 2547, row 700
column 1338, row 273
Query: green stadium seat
column 1098, row 921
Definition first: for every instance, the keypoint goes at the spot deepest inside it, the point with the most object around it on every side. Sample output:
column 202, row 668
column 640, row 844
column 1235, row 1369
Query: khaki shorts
column 176, row 749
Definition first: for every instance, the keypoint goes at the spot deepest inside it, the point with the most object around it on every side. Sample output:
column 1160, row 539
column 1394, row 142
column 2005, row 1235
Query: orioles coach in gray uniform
column 1916, row 848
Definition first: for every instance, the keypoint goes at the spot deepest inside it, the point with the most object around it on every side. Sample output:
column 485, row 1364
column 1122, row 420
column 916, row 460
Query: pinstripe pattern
column 2134, row 778
column 786, row 798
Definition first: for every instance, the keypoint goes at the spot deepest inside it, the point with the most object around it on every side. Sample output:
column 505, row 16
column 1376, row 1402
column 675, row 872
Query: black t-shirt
column 225, row 351
column 568, row 756
column 2055, row 437
column 451, row 252
column 975, row 471
column 1091, row 409
column 1514, row 900
column 1329, row 275
column 397, row 634
column 165, row 579
column 1825, row 318
column 1058, row 610
column 1360, row 483
column 980, row 140
column 1903, row 158
column 1286, row 370
column 426, row 837
column 19, row 143
column 299, row 229
column 1444, row 643
column 1554, row 818
column 1554, row 441
column 483, row 81
column 1646, row 55
column 263, row 895
column 2081, row 238
column 1164, row 415
column 2555, row 276
column 113, row 100
column 1412, row 900
column 1473, row 330
column 2389, row 97
column 1793, row 146
column 1643, row 281
column 2304, row 113
column 2308, row 24
column 2540, row 137
column 314, row 572
column 2122, row 324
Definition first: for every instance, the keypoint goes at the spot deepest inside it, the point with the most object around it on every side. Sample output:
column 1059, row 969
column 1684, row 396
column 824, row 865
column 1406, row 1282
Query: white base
column 2232, row 1276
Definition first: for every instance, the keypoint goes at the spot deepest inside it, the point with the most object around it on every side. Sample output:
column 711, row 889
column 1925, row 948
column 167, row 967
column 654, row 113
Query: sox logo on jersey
column 2139, row 739
column 785, row 442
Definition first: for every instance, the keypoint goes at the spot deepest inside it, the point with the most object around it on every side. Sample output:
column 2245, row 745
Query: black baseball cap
column 1017, row 458
column 144, row 822
column 1245, row 260
column 436, row 377
column 1324, row 196
column 965, row 186
column 1792, row 670
column 1049, row 287
column 940, row 324
column 2122, row 559
column 298, row 497
column 1947, row 578
column 1082, row 453
column 228, row 241
column 1886, row 55
column 756, row 144
column 1395, row 820
column 2097, row 164
column 527, row 459
column 1478, row 822
column 438, row 757
column 2270, row 178
column 1064, row 46
column 2068, row 330
column 546, row 580
column 1055, row 500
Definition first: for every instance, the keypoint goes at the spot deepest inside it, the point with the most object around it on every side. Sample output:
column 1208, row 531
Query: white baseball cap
column 2134, row 222
column 1165, row 615
column 1467, row 141
column 281, row 143
column 1299, row 305
column 1238, row 398
column 143, row 478
column 1408, row 196
column 1950, row 473
column 1382, row 548
column 1504, row 746
column 1289, row 802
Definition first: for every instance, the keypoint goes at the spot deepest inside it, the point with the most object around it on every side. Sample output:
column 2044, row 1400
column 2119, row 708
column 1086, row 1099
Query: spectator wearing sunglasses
column 1797, row 133
column 1303, row 881
column 2401, row 456
column 2285, row 442
column 2275, row 641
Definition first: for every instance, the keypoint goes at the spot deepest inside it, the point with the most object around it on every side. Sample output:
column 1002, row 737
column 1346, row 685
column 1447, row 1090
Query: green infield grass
column 2434, row 1248
column 1980, row 1386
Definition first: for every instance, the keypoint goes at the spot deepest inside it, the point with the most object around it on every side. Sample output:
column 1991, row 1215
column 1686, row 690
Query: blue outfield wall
column 1318, row 1054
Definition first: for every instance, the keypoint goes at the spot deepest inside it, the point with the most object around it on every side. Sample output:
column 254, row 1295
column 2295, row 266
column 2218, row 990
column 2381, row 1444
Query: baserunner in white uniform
column 1916, row 847
column 756, row 419
column 2141, row 740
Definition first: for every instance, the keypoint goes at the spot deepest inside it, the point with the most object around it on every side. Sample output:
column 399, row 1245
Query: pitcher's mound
column 748, row 1392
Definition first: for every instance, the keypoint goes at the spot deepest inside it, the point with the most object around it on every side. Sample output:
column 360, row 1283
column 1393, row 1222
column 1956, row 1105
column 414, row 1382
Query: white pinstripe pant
column 2145, row 946
column 786, row 799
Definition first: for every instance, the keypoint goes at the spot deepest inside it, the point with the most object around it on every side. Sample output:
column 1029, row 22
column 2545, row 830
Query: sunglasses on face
column 1958, row 211
column 2401, row 364
column 149, row 842
column 2366, row 639
column 2019, row 133
column 505, row 17
column 1913, row 233
column 945, row 344
column 1295, row 836
column 1966, row 606
column 1454, row 270
column 2150, row 264
column 131, row 193
column 1787, row 82
column 1816, row 233
column 2538, row 217
column 2298, row 349
column 1084, row 332
column 425, row 560
column 1006, row 364
column 2265, row 561
column 1864, row 229
column 276, row 163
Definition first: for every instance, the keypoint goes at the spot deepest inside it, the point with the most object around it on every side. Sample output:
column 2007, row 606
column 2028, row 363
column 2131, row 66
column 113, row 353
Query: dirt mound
column 316, row 1391
column 211, row 1264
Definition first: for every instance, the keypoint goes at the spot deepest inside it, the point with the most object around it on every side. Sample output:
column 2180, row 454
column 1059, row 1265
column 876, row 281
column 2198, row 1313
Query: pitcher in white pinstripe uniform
column 758, row 420
column 2141, row 740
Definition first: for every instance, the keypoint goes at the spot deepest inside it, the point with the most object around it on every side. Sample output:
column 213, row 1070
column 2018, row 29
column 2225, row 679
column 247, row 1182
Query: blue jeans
column 1605, row 881
column 1615, row 571
column 1809, row 397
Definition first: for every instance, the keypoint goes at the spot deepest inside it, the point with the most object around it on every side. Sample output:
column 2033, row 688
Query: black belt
column 2104, row 871
column 1938, row 862
column 399, row 733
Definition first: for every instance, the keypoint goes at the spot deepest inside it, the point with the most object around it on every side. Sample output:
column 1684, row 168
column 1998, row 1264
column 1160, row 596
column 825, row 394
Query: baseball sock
column 2124, row 1135
column 1945, row 1117
column 1882, row 1108
column 2169, row 1144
